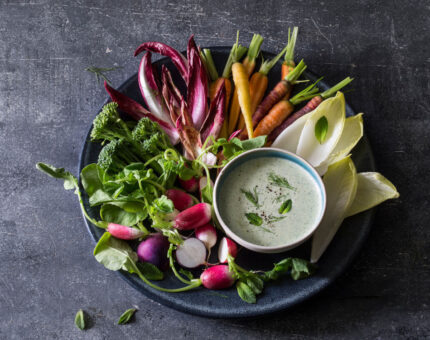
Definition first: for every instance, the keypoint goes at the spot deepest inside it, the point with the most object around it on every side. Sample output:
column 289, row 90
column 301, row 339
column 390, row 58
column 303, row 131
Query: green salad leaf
column 126, row 316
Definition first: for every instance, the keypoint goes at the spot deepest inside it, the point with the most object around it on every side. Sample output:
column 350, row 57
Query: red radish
column 154, row 250
column 191, row 253
column 207, row 234
column 193, row 217
column 181, row 200
column 226, row 247
column 217, row 277
column 190, row 185
column 124, row 233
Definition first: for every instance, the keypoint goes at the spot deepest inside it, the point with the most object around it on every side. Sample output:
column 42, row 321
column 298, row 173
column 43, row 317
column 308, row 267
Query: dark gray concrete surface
column 47, row 103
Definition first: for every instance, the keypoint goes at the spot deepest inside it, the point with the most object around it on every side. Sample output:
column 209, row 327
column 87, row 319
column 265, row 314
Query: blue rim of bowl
column 268, row 152
column 338, row 270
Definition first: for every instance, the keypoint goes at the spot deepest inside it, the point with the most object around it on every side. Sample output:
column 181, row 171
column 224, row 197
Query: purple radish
column 207, row 234
column 154, row 250
column 193, row 217
column 226, row 247
column 190, row 185
column 181, row 200
column 124, row 233
column 191, row 253
column 217, row 277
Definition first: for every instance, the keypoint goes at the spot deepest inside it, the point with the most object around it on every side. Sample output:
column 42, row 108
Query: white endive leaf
column 340, row 183
column 289, row 138
column 372, row 189
column 309, row 147
column 351, row 135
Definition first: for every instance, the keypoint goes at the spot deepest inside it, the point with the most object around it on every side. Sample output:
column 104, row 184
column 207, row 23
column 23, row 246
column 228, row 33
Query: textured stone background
column 47, row 103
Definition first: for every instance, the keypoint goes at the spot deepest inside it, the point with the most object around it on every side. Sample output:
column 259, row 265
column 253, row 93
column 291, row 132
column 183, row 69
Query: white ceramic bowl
column 267, row 152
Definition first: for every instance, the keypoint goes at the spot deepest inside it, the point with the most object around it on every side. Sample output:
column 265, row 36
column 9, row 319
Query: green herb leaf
column 301, row 269
column 273, row 219
column 254, row 219
column 207, row 193
column 245, row 292
column 113, row 253
column 279, row 181
column 321, row 128
column 252, row 197
column 164, row 205
column 150, row 271
column 126, row 316
column 255, row 283
column 285, row 207
column 280, row 198
column 80, row 320
column 100, row 72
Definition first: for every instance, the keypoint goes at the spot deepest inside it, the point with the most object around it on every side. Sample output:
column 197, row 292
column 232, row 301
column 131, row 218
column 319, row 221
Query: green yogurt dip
column 254, row 201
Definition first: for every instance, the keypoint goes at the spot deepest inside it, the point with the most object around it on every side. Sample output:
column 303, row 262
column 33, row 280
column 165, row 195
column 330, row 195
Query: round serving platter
column 278, row 295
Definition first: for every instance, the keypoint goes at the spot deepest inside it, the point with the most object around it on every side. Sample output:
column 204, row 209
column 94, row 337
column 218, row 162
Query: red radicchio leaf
column 213, row 123
column 149, row 89
column 234, row 134
column 197, row 90
column 177, row 58
column 137, row 111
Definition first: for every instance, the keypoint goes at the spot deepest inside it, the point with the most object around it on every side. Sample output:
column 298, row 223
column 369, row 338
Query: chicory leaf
column 126, row 316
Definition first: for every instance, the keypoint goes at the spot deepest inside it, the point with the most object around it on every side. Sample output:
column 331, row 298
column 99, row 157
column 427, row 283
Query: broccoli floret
column 108, row 126
column 116, row 155
column 149, row 135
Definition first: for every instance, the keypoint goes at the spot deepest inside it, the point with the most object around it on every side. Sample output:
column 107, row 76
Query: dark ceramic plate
column 278, row 295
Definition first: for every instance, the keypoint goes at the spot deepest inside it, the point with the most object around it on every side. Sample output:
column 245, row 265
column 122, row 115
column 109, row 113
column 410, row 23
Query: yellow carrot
column 249, row 65
column 240, row 79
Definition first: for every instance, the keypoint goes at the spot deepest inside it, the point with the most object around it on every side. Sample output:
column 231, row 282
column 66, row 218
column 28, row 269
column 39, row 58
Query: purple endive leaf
column 137, row 111
column 197, row 92
column 168, row 81
column 177, row 58
column 215, row 118
column 191, row 46
column 149, row 89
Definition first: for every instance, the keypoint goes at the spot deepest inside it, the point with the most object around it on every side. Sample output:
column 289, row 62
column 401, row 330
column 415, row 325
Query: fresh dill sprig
column 252, row 197
column 280, row 181
column 100, row 72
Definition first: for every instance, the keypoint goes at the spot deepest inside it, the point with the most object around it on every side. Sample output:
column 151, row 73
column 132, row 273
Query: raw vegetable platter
column 277, row 295
column 147, row 173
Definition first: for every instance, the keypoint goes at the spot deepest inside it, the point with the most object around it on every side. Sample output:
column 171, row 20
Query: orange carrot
column 258, row 84
column 282, row 110
column 278, row 92
column 288, row 64
column 249, row 65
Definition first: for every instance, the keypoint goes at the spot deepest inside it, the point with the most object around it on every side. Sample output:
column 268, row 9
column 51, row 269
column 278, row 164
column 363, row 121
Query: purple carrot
column 137, row 111
column 197, row 87
column 177, row 58
column 214, row 120
column 150, row 89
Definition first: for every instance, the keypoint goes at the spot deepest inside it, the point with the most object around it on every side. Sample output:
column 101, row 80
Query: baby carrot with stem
column 249, row 65
column 283, row 109
column 278, row 92
column 258, row 84
column 289, row 64
column 218, row 81
column 310, row 106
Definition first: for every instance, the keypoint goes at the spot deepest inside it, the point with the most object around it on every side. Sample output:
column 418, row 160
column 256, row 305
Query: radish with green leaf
column 217, row 277
column 226, row 248
column 181, row 200
column 123, row 232
column 207, row 234
column 193, row 217
column 154, row 250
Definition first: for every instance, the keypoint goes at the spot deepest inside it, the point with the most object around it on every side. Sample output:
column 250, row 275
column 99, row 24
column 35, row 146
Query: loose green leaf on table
column 126, row 316
column 80, row 320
